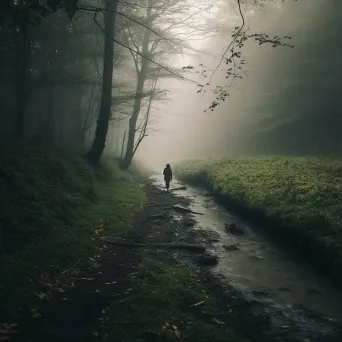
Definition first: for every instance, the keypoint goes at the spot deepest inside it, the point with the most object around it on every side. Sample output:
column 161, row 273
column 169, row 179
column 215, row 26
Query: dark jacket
column 167, row 174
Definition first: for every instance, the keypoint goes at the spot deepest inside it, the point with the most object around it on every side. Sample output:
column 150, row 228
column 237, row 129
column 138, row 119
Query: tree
column 158, row 35
column 32, row 12
column 95, row 152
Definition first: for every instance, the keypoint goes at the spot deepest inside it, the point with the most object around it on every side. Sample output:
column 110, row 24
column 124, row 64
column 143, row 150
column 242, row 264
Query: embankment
column 297, row 200
column 53, row 211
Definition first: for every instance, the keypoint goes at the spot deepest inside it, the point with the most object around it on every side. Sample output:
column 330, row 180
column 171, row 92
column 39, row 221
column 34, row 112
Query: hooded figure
column 167, row 176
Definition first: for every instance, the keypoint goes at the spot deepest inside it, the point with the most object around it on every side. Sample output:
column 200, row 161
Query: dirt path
column 74, row 316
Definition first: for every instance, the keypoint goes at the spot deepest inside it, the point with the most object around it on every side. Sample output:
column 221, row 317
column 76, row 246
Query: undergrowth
column 300, row 197
column 53, row 207
column 160, row 309
column 39, row 190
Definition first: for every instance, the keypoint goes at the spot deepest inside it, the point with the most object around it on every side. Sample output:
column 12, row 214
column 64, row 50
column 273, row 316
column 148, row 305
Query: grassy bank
column 53, row 209
column 159, row 309
column 299, row 199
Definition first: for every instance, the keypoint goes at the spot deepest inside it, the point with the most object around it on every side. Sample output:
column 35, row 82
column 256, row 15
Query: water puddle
column 260, row 266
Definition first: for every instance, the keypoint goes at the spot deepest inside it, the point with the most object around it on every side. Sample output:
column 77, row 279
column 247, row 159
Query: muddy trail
column 257, row 311
column 291, row 299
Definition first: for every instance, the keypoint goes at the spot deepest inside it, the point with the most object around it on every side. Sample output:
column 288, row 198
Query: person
column 167, row 176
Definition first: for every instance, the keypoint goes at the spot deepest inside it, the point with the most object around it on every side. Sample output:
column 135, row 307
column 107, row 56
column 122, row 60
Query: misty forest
column 170, row 170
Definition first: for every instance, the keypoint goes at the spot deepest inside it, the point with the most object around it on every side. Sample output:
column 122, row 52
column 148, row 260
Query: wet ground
column 258, row 263
column 272, row 279
column 267, row 293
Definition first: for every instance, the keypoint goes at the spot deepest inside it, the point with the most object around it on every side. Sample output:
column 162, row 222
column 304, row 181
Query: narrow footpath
column 114, row 299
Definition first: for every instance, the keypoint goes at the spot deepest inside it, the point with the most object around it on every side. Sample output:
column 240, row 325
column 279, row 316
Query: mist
column 164, row 76
column 286, row 103
column 170, row 170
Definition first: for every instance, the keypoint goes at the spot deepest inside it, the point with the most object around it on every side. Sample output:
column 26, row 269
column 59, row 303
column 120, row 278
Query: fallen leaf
column 41, row 295
column 197, row 304
column 215, row 320
column 37, row 315
column 176, row 331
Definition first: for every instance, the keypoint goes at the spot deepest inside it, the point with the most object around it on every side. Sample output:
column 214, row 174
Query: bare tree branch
column 173, row 72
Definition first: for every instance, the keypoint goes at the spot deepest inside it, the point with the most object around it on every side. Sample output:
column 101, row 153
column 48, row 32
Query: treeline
column 84, row 74
column 298, row 109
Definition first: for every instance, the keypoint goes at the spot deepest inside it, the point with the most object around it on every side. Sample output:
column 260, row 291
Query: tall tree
column 96, row 150
column 153, row 34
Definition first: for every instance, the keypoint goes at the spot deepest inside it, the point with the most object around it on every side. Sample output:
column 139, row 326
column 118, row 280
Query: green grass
column 158, row 309
column 39, row 187
column 51, row 208
column 301, row 197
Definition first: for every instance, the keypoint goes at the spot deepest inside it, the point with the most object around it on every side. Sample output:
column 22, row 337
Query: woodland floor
column 147, row 294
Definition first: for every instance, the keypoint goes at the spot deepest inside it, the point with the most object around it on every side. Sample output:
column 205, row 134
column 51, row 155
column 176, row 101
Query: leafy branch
column 234, row 61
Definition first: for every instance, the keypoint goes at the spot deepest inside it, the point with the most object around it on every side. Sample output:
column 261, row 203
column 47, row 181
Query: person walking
column 167, row 176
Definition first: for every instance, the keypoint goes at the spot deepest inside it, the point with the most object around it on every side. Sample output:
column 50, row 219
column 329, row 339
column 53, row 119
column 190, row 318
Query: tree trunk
column 97, row 148
column 142, row 76
column 132, row 125
column 123, row 145
column 23, row 56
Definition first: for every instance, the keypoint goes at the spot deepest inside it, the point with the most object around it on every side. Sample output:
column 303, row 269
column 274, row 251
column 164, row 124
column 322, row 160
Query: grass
column 52, row 209
column 39, row 188
column 158, row 309
column 300, row 198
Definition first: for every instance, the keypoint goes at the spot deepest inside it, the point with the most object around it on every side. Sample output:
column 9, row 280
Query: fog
column 137, row 79
column 287, row 102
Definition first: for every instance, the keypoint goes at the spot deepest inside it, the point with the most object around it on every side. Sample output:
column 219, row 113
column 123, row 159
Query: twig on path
column 187, row 246
column 185, row 210
column 73, row 266
column 180, row 188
